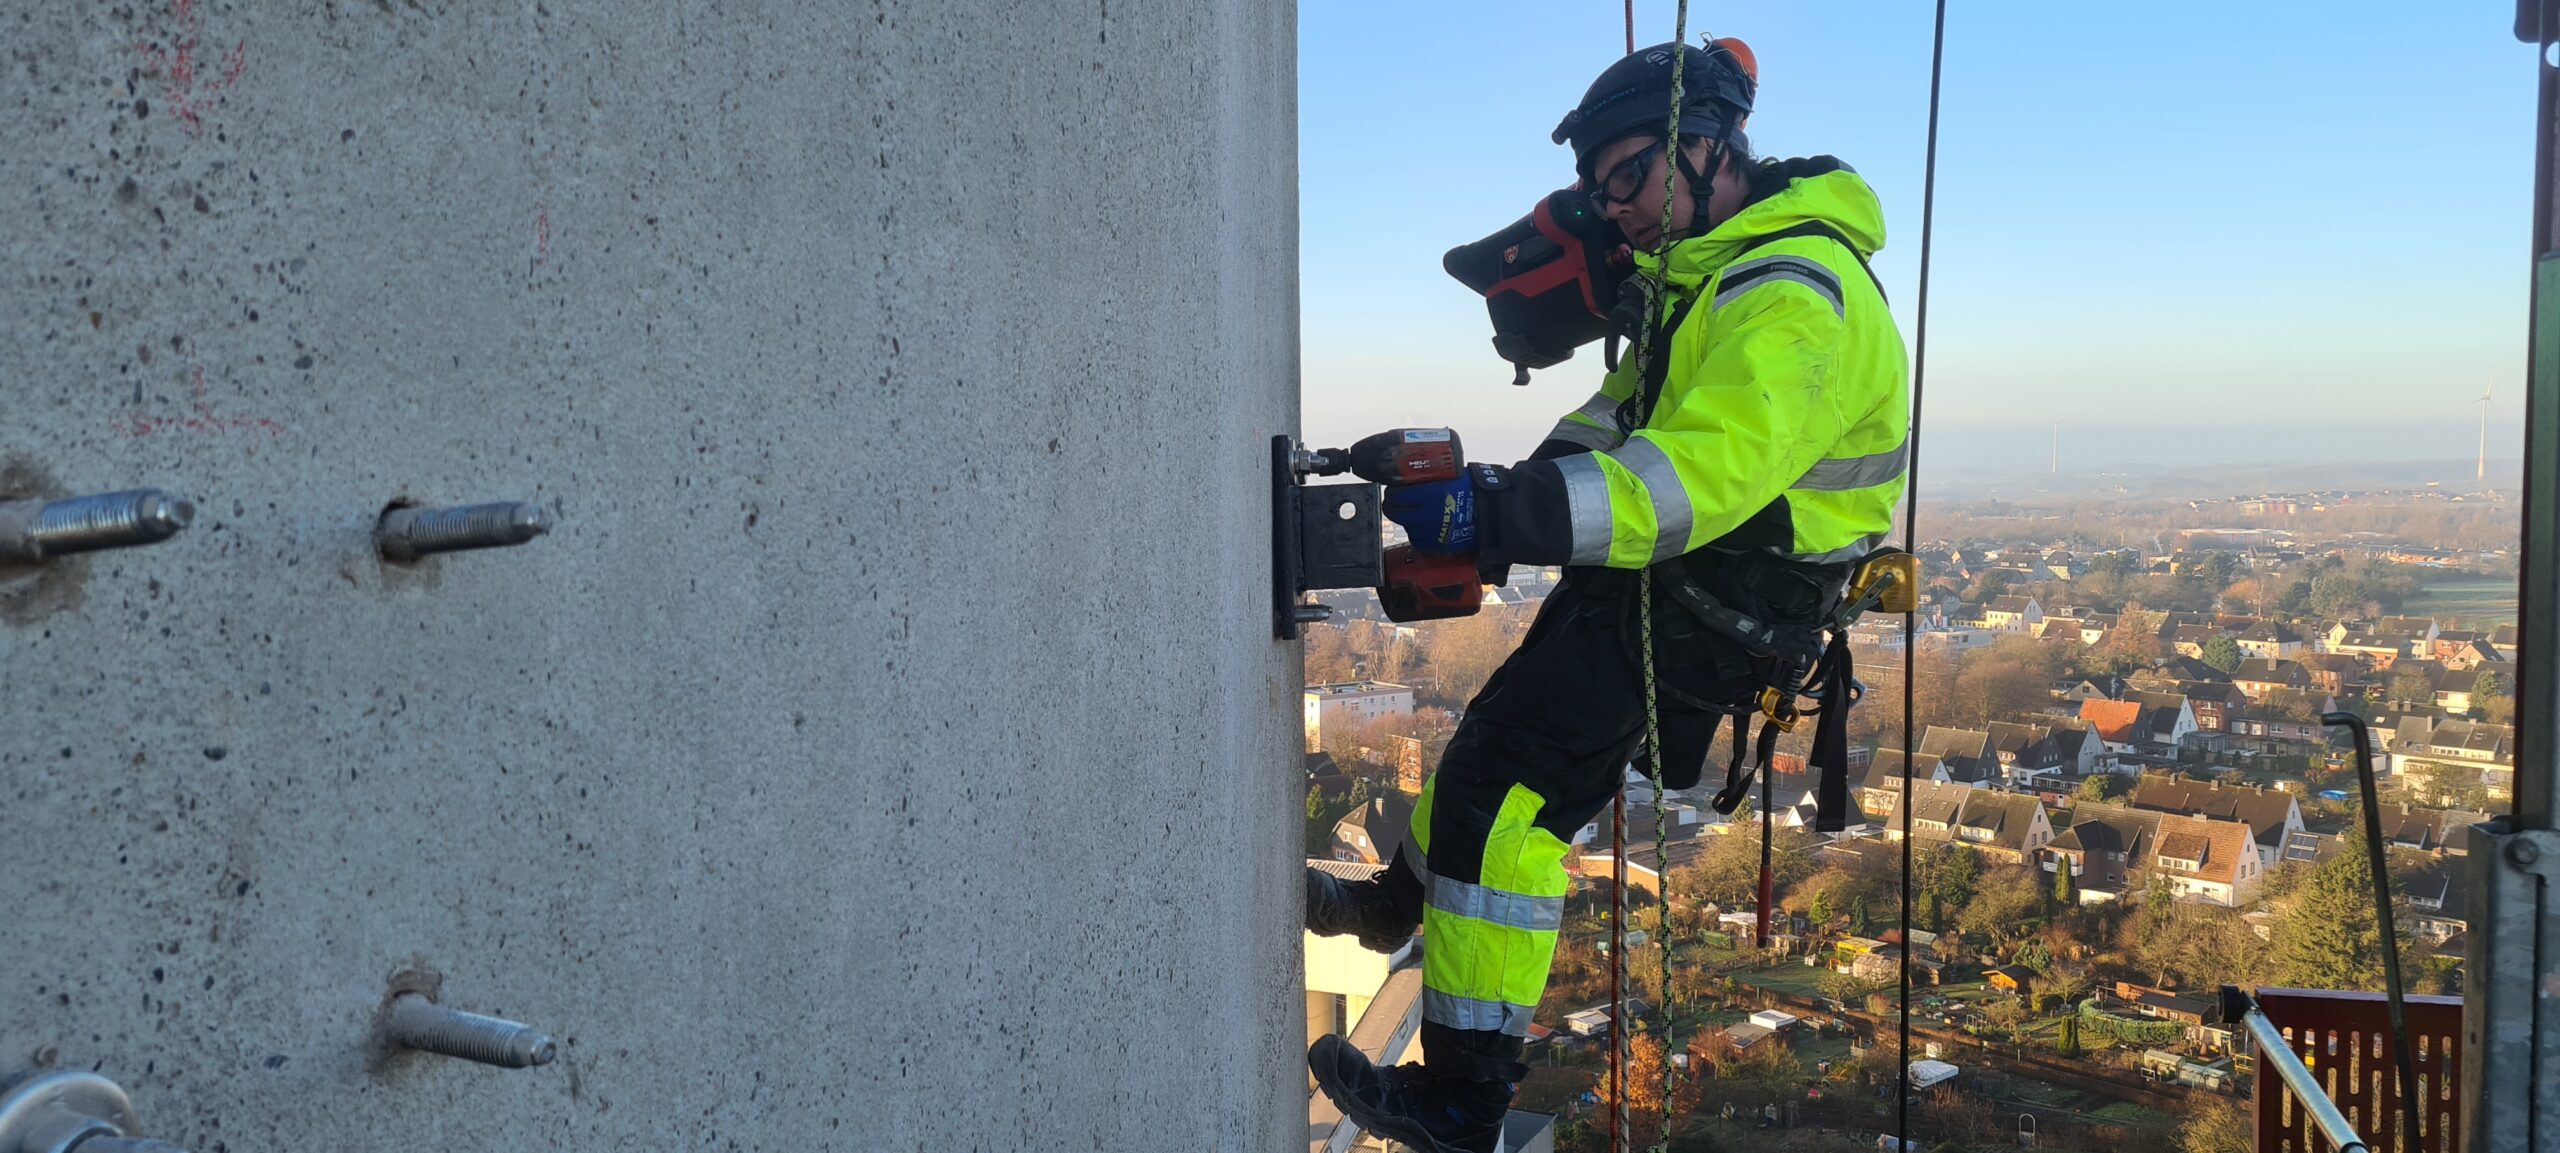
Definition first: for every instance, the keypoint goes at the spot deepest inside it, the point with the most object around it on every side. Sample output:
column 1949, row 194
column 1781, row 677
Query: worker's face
column 1626, row 182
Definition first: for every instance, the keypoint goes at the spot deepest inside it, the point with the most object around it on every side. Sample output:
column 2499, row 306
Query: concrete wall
column 899, row 375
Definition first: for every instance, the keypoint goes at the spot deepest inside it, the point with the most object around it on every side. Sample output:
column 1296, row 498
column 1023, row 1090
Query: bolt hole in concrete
column 31, row 591
column 396, row 504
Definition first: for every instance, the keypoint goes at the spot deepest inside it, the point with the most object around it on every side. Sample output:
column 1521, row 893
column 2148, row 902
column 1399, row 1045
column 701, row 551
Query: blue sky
column 2289, row 228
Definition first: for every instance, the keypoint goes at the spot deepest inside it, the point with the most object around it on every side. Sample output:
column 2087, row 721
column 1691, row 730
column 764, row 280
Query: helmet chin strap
column 1702, row 188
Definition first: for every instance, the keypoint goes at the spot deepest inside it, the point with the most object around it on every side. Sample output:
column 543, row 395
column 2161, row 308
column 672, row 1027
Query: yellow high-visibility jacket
column 1784, row 416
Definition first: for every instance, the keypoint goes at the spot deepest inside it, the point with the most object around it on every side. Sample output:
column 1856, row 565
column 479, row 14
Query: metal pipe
column 2276, row 1054
column 2380, row 862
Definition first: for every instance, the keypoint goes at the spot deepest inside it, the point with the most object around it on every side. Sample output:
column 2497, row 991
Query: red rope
column 1618, row 962
column 1631, row 27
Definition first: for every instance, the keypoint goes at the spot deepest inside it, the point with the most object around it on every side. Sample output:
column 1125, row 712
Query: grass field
column 2474, row 599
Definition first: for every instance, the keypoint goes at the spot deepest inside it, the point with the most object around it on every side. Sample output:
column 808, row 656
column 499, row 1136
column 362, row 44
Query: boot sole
column 1402, row 1130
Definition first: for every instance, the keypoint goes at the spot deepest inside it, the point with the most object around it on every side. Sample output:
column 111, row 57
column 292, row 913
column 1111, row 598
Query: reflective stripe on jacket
column 1784, row 413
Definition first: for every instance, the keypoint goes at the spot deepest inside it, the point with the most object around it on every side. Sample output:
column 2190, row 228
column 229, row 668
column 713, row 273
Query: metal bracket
column 2511, row 991
column 1322, row 536
column 64, row 1112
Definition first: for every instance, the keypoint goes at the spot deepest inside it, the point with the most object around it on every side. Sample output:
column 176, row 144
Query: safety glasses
column 1624, row 179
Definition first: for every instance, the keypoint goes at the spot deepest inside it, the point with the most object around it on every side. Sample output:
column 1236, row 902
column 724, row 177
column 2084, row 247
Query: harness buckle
column 1779, row 706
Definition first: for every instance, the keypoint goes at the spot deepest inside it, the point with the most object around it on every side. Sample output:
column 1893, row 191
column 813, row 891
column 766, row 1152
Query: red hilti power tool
column 1418, row 586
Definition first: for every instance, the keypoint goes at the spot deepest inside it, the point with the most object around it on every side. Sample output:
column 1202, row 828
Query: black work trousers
column 1541, row 750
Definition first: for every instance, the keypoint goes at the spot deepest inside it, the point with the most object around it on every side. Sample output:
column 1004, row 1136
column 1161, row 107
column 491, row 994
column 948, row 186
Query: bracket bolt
column 2523, row 852
column 418, row 1023
column 32, row 531
column 406, row 534
column 1310, row 614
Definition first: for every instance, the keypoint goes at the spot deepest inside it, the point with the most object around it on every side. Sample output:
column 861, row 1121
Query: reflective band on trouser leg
column 1485, row 968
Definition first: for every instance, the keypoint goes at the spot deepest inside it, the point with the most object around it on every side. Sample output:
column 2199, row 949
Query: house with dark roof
column 2455, row 750
column 2337, row 674
column 2257, row 678
column 2213, row 861
column 2271, row 640
column 2012, row 614
column 2433, row 887
column 2433, row 831
column 2035, row 755
column 1368, row 835
column 2212, row 702
column 2269, row 814
column 2007, row 827
column 2107, row 848
column 2464, row 649
column 2189, row 640
column 1966, row 753
column 1884, row 774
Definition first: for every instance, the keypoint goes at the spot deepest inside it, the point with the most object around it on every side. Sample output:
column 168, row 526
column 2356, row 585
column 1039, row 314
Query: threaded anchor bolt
column 33, row 530
column 418, row 1023
column 406, row 534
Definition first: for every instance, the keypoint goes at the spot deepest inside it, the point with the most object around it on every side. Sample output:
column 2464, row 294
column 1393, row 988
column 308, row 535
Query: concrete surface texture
column 886, row 750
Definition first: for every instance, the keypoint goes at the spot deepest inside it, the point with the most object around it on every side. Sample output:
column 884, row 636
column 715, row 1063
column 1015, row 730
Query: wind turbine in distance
column 2481, row 471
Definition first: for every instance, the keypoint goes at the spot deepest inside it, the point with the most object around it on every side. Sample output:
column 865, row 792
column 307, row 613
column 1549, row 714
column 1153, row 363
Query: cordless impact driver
column 1419, row 586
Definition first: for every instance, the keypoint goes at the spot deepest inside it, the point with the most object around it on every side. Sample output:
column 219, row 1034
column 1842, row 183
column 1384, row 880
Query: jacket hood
column 1817, row 189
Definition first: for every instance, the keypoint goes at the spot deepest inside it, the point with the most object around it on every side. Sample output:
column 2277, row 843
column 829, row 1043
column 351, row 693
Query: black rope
column 1911, row 543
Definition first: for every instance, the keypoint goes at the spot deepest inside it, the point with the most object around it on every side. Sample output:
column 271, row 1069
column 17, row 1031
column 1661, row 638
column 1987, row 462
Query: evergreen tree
column 2223, row 654
column 2066, row 892
column 2330, row 937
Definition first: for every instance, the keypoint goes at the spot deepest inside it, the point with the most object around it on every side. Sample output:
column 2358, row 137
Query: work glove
column 1438, row 516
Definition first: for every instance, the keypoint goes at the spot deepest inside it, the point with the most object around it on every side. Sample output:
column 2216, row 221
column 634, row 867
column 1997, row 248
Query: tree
column 2216, row 1126
column 2291, row 705
column 2223, row 654
column 2328, row 937
column 1728, row 872
column 2336, row 595
column 1645, row 1069
column 2494, row 692
column 2012, row 676
column 1329, row 655
column 2499, row 710
column 2094, row 787
column 2411, row 686
column 2007, row 904
column 2066, row 891
column 1463, row 652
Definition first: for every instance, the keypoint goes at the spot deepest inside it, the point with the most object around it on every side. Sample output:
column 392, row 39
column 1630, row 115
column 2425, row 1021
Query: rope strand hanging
column 1910, row 543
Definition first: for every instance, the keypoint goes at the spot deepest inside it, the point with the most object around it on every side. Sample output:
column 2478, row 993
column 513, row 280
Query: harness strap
column 1830, row 756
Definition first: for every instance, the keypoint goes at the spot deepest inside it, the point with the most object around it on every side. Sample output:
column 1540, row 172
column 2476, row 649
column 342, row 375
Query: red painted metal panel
column 2345, row 1039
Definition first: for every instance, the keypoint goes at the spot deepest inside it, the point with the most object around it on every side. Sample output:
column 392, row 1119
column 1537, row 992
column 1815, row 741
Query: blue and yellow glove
column 1438, row 516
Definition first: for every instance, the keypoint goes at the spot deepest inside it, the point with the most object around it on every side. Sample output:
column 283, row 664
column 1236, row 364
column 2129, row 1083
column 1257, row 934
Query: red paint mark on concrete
column 541, row 238
column 190, row 90
column 200, row 418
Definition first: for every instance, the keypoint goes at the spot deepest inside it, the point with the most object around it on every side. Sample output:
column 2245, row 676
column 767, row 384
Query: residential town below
column 2122, row 797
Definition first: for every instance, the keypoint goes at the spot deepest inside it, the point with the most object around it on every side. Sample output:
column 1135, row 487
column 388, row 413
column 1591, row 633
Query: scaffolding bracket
column 1322, row 536
column 2511, row 990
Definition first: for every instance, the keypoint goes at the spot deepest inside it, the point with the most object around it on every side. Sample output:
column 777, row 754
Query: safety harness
column 1802, row 663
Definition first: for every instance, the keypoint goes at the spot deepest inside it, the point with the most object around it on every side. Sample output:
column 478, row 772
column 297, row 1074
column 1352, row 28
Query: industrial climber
column 1764, row 466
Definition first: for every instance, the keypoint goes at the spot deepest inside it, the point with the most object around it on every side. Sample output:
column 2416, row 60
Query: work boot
column 1430, row 1112
column 1336, row 906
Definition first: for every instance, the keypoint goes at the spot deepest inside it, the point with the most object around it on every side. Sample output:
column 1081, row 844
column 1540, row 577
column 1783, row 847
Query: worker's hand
column 1439, row 517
